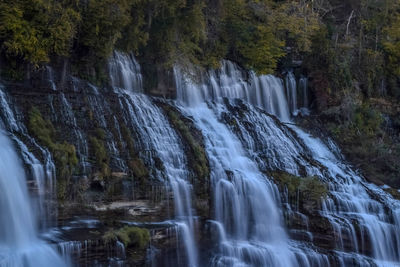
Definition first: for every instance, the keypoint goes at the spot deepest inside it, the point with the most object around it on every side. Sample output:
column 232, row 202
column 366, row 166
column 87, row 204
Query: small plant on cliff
column 137, row 167
column 308, row 189
column 63, row 153
column 129, row 235
column 99, row 152
column 200, row 161
column 197, row 159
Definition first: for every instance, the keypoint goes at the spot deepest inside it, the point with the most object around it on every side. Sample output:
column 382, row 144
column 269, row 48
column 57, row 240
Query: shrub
column 131, row 236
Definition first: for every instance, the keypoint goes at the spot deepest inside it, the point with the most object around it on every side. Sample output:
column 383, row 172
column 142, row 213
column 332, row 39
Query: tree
column 391, row 45
column 34, row 30
column 102, row 24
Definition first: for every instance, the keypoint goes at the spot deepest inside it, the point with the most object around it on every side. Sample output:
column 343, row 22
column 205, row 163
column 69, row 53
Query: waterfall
column 265, row 91
column 49, row 77
column 125, row 72
column 354, row 208
column 241, row 140
column 19, row 245
column 351, row 201
column 42, row 175
column 303, row 84
column 304, row 96
column 291, row 92
column 247, row 206
column 69, row 119
column 19, row 242
column 160, row 138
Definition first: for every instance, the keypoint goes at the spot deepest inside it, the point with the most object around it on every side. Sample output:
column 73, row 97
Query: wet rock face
column 158, row 81
column 90, row 119
column 325, row 224
column 117, row 177
column 124, row 155
column 193, row 143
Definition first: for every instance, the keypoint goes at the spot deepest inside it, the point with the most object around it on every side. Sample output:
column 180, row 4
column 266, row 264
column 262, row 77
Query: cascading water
column 303, row 85
column 244, row 145
column 19, row 245
column 359, row 213
column 265, row 91
column 19, row 242
column 247, row 213
column 291, row 92
column 42, row 175
column 125, row 72
column 158, row 136
column 161, row 138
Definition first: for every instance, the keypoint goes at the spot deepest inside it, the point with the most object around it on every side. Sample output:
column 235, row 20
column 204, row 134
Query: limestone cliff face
column 118, row 154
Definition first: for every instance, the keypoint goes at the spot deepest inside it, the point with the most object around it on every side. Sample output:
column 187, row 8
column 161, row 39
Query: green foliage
column 135, row 237
column 253, row 33
column 176, row 30
column 392, row 45
column 63, row 153
column 251, row 41
column 101, row 27
column 366, row 142
column 135, row 34
column 34, row 30
column 309, row 188
column 367, row 121
column 99, row 152
column 258, row 31
column 260, row 49
column 296, row 23
column 365, row 124
column 136, row 165
column 199, row 163
column 359, row 53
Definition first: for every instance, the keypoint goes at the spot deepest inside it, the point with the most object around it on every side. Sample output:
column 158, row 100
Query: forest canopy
column 253, row 33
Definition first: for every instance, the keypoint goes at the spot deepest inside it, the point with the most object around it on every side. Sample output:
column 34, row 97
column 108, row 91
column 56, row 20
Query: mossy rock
column 63, row 153
column 197, row 155
column 393, row 192
column 308, row 190
column 130, row 236
column 99, row 152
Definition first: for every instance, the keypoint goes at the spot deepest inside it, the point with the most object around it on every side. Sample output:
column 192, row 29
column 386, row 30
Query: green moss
column 110, row 237
column 99, row 153
column 200, row 163
column 136, row 165
column 138, row 168
column 285, row 179
column 395, row 193
column 309, row 188
column 367, row 140
column 42, row 129
column 131, row 236
column 128, row 139
column 64, row 153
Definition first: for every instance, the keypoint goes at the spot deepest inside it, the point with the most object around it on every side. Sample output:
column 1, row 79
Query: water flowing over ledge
column 246, row 123
column 19, row 242
column 348, row 206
